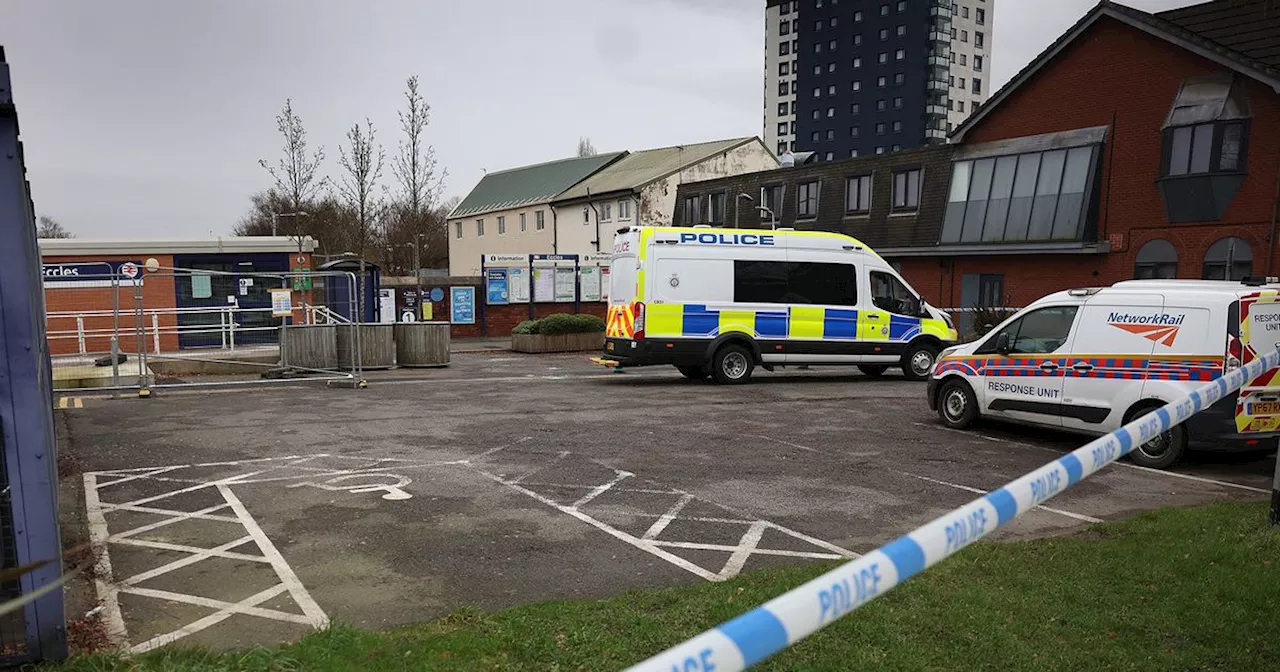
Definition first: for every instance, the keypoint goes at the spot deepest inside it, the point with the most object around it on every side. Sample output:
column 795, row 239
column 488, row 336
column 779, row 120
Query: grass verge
column 1177, row 589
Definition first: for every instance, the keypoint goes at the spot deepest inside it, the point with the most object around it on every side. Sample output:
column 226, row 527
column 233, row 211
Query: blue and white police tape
column 794, row 615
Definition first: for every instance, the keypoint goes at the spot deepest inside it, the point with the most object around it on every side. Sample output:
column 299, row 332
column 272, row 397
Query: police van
column 719, row 302
column 1089, row 360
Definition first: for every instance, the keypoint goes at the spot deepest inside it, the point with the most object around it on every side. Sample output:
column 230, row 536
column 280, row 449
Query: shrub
column 985, row 319
column 561, row 323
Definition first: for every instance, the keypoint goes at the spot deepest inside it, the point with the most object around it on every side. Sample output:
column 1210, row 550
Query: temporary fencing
column 794, row 615
column 172, row 326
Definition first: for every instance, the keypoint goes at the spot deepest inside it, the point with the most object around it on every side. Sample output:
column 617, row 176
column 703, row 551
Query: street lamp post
column 275, row 218
column 773, row 219
column 736, row 209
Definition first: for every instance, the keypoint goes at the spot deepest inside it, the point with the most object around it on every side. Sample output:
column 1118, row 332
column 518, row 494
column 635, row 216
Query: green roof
column 538, row 183
column 638, row 169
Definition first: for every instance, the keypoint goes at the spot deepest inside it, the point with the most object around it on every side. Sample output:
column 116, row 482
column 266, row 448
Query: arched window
column 1228, row 259
column 1156, row 259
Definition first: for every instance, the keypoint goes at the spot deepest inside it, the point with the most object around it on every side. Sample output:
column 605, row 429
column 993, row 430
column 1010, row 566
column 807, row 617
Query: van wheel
column 732, row 365
column 957, row 405
column 1161, row 452
column 918, row 361
column 873, row 370
column 693, row 372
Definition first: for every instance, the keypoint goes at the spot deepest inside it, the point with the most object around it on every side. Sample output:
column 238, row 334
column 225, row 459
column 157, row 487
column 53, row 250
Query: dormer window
column 1204, row 149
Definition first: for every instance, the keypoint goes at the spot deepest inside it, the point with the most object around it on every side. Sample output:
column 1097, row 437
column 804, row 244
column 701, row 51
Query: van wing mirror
column 1003, row 346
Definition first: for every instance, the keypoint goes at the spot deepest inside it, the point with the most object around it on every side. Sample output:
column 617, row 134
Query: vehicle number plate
column 1264, row 408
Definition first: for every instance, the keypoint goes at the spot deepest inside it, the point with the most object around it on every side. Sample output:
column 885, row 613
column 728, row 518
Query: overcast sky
column 146, row 118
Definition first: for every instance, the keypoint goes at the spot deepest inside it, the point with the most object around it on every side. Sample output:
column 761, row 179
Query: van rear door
column 1258, row 405
column 624, row 274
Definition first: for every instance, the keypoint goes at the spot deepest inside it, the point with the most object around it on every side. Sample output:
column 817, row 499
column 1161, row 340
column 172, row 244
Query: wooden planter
column 377, row 346
column 310, row 346
column 557, row 343
column 422, row 343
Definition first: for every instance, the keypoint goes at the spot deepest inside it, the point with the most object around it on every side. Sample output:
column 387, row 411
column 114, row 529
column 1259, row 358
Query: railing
column 798, row 613
column 324, row 315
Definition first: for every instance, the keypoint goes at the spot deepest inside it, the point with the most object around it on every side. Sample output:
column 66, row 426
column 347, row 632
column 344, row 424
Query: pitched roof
column 1158, row 26
column 538, row 183
column 638, row 169
column 1251, row 27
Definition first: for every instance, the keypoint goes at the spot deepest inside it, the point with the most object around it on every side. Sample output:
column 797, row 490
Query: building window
column 902, row 6
column 856, row 85
column 782, row 128
column 1204, row 148
column 606, row 212
column 899, row 78
column 880, row 104
column 539, row 221
column 831, row 89
column 817, row 48
column 977, row 86
column 785, row 8
column 782, row 109
column 830, row 155
column 906, row 190
column 857, row 16
column 523, row 226
column 953, row 33
column 807, row 200
column 1034, row 196
column 880, row 128
column 784, row 28
column 690, row 212
column 815, row 136
column 882, row 58
column 884, row 10
column 953, row 57
column 853, row 153
column 479, row 228
column 879, row 150
column 831, row 67
column 855, row 108
column 951, row 103
column 783, row 88
column 857, row 40
column 853, row 131
column 782, row 147
column 959, row 106
column 586, row 215
column 1228, row 259
column 817, row 92
column 457, row 230
column 884, row 34
column 980, row 16
column 817, row 25
column 793, row 103
column 1156, row 260
column 831, row 134
column 831, row 46
column 964, row 12
column 831, row 112
column 717, row 204
column 784, row 68
column 795, row 86
column 834, row 22
column 771, row 199
column 977, row 63
column 896, row 148
column 793, row 128
column 897, row 102
column 784, row 48
column 962, row 82
column 978, row 41
column 964, row 60
column 502, row 225
column 624, row 209
column 857, row 63
column 951, row 80
column 817, row 69
column 899, row 54
column 815, row 114
column 857, row 195
column 897, row 127
column 964, row 36
column 881, row 81
column 900, row 31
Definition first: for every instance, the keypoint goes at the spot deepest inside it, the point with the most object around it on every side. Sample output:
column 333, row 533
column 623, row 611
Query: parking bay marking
column 1127, row 465
column 978, row 491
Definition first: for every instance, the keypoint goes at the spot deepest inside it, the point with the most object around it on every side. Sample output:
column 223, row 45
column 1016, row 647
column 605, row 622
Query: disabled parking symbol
column 390, row 485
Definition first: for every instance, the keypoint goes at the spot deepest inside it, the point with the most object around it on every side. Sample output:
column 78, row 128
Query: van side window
column 795, row 282
column 888, row 293
column 1040, row 332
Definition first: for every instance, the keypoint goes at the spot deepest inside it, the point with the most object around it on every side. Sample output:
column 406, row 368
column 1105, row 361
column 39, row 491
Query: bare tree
column 585, row 148
column 362, row 161
column 415, row 169
column 51, row 228
column 295, row 174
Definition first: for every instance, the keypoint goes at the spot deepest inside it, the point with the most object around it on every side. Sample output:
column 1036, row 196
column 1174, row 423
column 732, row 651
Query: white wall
column 657, row 201
column 772, row 78
column 464, row 252
column 968, row 49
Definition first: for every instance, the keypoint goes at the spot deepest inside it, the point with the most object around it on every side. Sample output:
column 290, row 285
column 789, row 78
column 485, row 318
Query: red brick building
column 1190, row 106
column 1136, row 145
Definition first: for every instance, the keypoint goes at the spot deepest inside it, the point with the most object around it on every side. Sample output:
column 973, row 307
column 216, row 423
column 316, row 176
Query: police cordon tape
column 798, row 613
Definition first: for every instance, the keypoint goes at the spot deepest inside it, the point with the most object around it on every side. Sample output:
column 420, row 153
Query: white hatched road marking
column 979, row 491
column 665, row 519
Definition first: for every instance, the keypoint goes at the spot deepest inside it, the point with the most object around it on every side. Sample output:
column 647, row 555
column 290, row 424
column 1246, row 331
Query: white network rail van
column 1090, row 360
column 719, row 302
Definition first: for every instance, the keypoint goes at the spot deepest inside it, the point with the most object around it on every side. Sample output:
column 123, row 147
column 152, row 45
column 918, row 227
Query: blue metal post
column 26, row 392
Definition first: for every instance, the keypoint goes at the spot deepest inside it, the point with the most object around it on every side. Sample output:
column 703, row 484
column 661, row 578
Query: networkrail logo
column 1159, row 327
